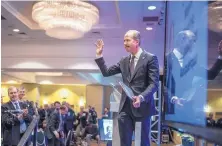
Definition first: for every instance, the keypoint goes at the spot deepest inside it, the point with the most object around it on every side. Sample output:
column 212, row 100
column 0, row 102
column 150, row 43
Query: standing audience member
column 55, row 127
column 15, row 123
column 210, row 121
column 106, row 114
column 24, row 99
column 82, row 121
column 69, row 119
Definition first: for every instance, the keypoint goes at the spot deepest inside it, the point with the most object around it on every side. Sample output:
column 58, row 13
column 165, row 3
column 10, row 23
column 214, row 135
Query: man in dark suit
column 181, row 86
column 55, row 127
column 140, row 72
column 15, row 123
column 69, row 119
column 24, row 99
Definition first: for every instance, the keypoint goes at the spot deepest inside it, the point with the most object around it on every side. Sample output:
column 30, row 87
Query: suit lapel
column 11, row 105
column 139, row 64
column 21, row 105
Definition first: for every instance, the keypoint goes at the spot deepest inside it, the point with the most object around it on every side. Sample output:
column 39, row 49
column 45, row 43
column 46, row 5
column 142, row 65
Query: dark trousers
column 54, row 142
column 126, row 122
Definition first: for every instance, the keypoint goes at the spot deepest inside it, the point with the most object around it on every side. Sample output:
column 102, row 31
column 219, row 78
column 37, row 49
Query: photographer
column 92, row 118
column 15, row 118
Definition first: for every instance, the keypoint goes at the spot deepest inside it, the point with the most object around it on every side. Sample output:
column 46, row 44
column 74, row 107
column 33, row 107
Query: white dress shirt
column 179, row 56
column 14, row 104
column 137, row 56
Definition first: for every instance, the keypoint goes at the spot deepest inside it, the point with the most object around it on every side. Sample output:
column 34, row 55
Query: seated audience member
column 90, row 132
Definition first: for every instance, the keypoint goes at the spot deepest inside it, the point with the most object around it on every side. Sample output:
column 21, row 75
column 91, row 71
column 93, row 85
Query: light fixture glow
column 45, row 101
column 46, row 82
column 49, row 73
column 81, row 102
column 151, row 7
column 11, row 82
column 16, row 30
column 66, row 19
column 64, row 93
column 207, row 108
column 149, row 28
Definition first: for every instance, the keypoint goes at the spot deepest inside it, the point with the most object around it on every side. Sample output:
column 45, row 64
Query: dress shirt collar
column 177, row 54
column 137, row 55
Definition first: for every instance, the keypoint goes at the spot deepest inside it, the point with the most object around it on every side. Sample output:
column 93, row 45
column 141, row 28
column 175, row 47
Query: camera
column 9, row 117
column 13, row 111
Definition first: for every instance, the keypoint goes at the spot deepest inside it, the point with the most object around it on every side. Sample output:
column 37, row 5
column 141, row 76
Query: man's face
column 44, row 124
column 13, row 94
column 64, row 111
column 129, row 43
column 57, row 106
column 46, row 106
column 21, row 93
column 188, row 46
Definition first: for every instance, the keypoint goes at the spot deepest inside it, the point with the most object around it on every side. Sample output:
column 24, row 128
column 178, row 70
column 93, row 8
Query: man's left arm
column 153, row 79
column 26, row 115
column 215, row 69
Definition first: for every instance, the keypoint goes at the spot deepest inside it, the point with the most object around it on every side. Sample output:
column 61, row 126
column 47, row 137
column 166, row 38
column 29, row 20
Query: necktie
column 132, row 65
column 16, row 106
column 22, row 122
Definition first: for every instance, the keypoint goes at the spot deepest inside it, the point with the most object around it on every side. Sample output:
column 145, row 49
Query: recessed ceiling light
column 149, row 28
column 11, row 82
column 47, row 82
column 16, row 30
column 49, row 73
column 151, row 7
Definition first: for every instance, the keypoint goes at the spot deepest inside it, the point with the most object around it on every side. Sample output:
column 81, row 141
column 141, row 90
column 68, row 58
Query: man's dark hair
column 57, row 102
column 63, row 107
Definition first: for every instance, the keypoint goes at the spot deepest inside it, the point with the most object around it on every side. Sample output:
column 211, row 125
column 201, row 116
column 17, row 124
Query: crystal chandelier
column 65, row 19
column 215, row 16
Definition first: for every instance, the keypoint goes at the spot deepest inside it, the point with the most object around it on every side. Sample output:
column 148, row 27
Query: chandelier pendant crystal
column 65, row 19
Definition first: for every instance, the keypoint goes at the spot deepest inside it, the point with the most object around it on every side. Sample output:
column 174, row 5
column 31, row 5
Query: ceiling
column 30, row 51
column 33, row 51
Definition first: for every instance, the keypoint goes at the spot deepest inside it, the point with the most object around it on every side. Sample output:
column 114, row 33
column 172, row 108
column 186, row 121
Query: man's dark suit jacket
column 12, row 136
column 69, row 120
column 171, row 83
column 53, row 124
column 144, row 81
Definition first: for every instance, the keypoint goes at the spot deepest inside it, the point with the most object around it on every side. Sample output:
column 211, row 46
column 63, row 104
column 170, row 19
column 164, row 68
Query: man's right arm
column 115, row 69
column 215, row 69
